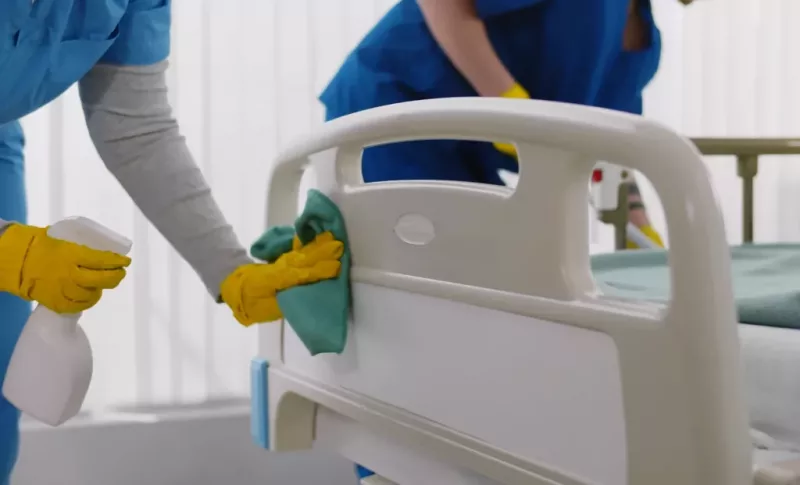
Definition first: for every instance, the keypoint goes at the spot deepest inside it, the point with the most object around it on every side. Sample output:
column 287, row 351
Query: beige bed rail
column 747, row 152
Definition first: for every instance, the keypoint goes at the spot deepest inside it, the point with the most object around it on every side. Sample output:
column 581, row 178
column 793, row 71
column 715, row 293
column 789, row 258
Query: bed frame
column 483, row 354
column 747, row 152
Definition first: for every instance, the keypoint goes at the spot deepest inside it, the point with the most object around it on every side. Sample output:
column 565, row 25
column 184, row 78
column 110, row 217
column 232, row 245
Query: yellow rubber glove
column 63, row 276
column 515, row 92
column 251, row 289
column 651, row 234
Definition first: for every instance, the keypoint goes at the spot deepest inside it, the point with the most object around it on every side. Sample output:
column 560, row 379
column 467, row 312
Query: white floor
column 157, row 448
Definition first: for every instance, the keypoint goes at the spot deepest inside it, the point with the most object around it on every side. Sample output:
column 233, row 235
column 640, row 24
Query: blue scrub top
column 47, row 45
column 559, row 50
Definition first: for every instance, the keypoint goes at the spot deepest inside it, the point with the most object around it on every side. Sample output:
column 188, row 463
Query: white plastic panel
column 548, row 392
column 397, row 462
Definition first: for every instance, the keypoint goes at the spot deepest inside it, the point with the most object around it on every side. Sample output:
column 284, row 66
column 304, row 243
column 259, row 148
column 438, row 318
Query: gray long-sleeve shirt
column 131, row 124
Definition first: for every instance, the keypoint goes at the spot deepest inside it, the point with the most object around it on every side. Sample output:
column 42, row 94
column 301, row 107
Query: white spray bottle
column 51, row 367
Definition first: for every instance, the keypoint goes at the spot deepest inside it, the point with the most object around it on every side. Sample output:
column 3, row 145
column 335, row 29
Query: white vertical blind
column 741, row 73
column 244, row 79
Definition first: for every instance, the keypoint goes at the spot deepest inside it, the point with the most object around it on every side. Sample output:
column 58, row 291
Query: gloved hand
column 515, row 92
column 63, row 276
column 251, row 289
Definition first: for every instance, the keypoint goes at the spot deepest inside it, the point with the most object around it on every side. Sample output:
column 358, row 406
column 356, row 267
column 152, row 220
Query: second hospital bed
column 766, row 281
column 480, row 349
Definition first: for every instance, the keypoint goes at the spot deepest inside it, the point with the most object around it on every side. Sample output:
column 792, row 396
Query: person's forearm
column 131, row 124
column 462, row 36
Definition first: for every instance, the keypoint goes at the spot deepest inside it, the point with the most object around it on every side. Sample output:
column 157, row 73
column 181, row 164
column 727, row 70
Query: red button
column 597, row 176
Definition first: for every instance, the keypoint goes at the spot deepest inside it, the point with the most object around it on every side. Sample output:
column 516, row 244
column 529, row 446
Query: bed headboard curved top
column 525, row 251
column 542, row 225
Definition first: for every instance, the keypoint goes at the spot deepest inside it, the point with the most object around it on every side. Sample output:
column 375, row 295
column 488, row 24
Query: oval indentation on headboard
column 415, row 229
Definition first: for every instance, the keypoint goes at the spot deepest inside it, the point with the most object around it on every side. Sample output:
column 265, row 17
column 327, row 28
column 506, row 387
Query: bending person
column 596, row 53
column 117, row 53
column 590, row 52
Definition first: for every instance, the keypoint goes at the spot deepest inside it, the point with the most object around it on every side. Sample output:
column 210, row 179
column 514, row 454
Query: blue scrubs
column 13, row 311
column 558, row 50
column 45, row 47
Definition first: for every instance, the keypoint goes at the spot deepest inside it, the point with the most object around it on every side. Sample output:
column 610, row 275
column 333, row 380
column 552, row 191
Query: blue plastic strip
column 259, row 402
column 362, row 472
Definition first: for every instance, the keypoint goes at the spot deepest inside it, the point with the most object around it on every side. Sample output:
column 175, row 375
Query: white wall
column 730, row 69
column 206, row 446
column 741, row 72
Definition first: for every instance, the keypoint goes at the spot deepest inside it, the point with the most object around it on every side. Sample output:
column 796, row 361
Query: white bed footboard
column 479, row 349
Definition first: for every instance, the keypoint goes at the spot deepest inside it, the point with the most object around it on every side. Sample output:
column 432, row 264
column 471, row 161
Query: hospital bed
column 771, row 355
column 483, row 353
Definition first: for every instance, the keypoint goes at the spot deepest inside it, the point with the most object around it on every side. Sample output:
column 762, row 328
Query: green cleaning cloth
column 766, row 280
column 317, row 312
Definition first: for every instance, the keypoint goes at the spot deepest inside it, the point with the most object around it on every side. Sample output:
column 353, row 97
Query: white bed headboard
column 526, row 252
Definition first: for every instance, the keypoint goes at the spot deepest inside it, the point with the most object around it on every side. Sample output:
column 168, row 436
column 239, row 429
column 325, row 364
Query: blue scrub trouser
column 13, row 311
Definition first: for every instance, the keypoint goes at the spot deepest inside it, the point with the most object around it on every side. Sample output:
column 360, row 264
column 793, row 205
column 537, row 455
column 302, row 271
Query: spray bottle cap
column 87, row 232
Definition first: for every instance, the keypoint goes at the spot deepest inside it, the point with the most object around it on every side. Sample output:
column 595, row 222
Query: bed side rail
column 746, row 152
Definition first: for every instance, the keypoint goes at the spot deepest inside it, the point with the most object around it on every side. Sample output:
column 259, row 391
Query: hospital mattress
column 771, row 362
column 767, row 290
column 766, row 280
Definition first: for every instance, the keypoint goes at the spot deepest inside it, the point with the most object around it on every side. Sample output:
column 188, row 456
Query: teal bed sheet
column 766, row 280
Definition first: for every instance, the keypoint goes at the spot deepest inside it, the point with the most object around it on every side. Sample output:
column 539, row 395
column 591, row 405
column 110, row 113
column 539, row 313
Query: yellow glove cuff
column 516, row 92
column 15, row 241
column 232, row 295
column 651, row 234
